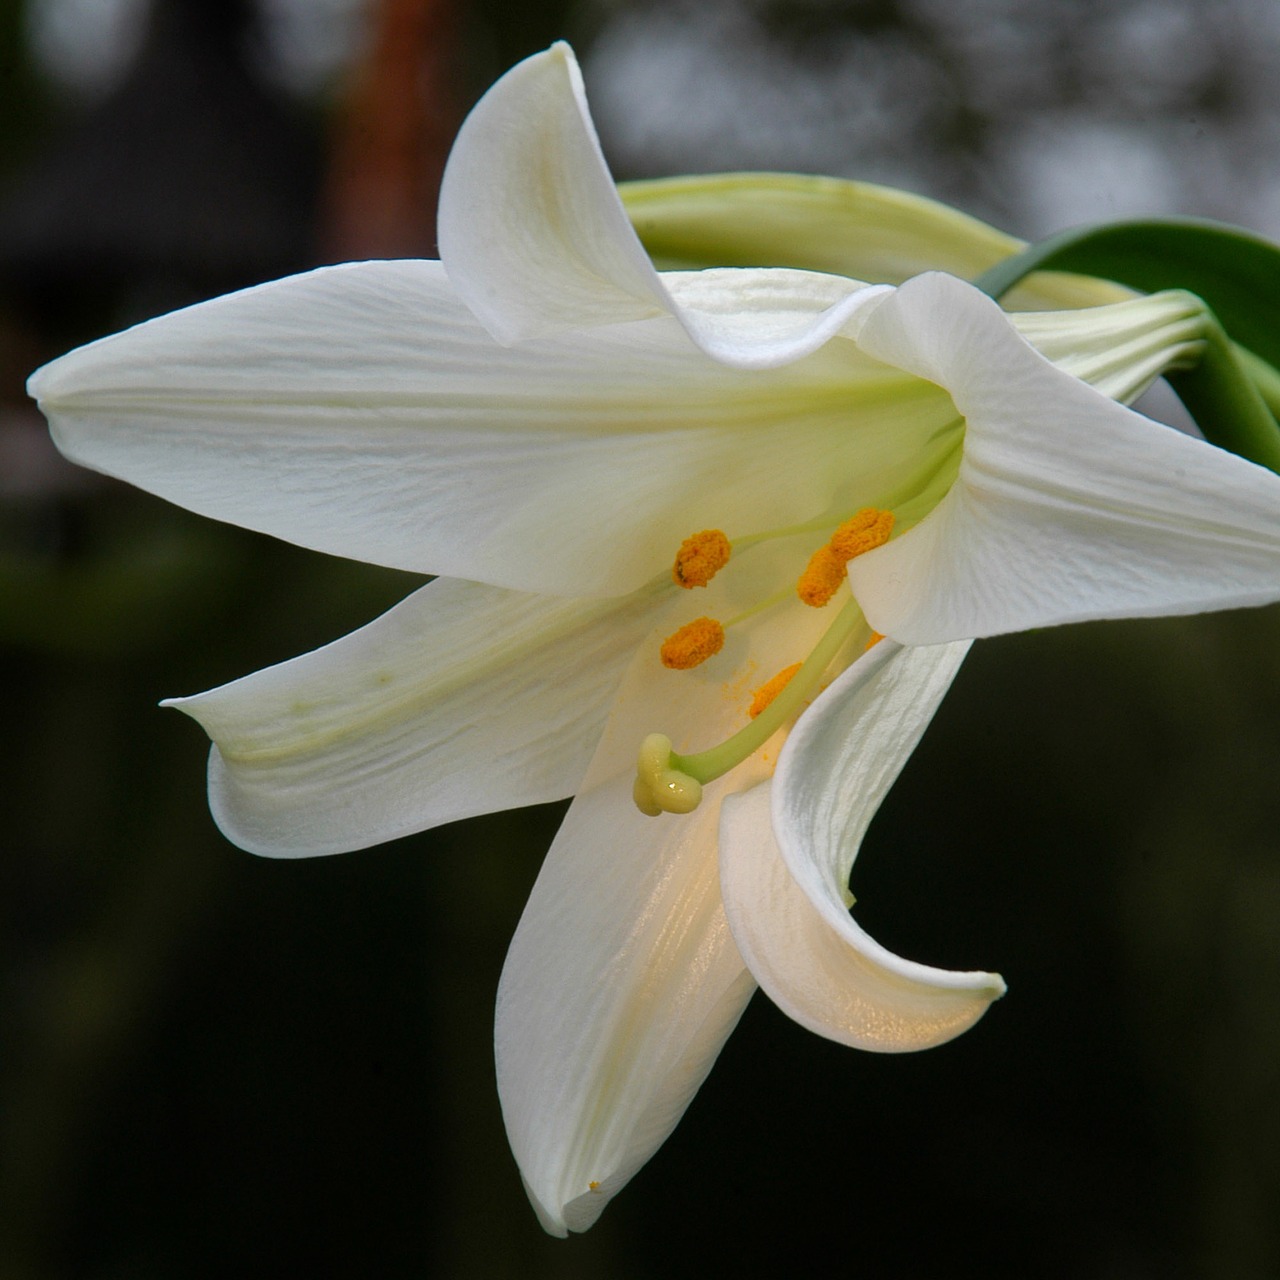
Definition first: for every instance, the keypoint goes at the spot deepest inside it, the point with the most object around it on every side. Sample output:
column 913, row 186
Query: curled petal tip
column 786, row 849
column 532, row 232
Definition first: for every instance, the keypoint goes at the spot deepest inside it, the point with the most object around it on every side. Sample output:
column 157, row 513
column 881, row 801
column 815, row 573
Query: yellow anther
column 658, row 787
column 693, row 644
column 700, row 558
column 876, row 637
column 766, row 693
column 821, row 579
column 866, row 531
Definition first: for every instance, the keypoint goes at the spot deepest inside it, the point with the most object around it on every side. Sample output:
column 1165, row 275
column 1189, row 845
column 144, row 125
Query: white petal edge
column 462, row 699
column 536, row 241
column 621, row 985
column 786, row 894
column 1067, row 506
column 361, row 410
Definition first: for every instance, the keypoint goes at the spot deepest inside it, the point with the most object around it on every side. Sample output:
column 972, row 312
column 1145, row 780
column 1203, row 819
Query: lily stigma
column 656, row 502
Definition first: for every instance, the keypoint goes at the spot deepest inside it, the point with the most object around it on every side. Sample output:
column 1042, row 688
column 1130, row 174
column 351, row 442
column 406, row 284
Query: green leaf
column 1233, row 391
column 1234, row 271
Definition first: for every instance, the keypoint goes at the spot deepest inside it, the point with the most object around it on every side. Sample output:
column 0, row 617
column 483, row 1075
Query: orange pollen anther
column 693, row 644
column 821, row 579
column 700, row 558
column 766, row 693
column 866, row 531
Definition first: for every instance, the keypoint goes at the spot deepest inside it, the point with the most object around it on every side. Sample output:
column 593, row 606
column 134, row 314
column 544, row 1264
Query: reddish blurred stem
column 393, row 134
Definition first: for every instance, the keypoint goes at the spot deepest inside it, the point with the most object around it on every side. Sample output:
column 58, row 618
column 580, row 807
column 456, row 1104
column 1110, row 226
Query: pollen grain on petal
column 766, row 693
column 700, row 558
column 861, row 533
column 821, row 579
column 693, row 644
column 876, row 637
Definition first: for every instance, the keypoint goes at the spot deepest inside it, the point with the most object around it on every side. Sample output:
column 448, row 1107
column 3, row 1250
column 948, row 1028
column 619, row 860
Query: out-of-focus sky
column 1037, row 114
column 1034, row 115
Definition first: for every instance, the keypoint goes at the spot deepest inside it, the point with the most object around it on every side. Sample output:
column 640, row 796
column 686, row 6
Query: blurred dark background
column 213, row 1064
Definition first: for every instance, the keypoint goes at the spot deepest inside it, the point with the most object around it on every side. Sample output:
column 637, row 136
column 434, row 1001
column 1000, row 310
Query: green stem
column 1226, row 402
column 1266, row 377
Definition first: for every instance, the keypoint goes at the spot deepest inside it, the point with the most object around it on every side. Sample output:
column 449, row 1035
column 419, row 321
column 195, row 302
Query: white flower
column 542, row 420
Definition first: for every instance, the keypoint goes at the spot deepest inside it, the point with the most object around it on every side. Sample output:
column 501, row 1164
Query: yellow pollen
column 821, row 579
column 593, row 1186
column 866, row 531
column 876, row 637
column 700, row 558
column 693, row 644
column 766, row 693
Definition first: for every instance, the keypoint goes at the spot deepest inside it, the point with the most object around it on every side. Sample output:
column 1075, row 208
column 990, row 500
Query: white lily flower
column 542, row 419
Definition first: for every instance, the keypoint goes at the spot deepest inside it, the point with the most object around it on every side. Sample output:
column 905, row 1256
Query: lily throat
column 670, row 783
column 1119, row 349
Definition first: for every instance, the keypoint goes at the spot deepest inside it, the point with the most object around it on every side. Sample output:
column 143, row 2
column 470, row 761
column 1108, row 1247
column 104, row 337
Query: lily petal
column 786, row 897
column 362, row 411
column 531, row 229
column 463, row 699
column 621, row 986
column 622, row 981
column 1067, row 506
column 536, row 240
column 760, row 318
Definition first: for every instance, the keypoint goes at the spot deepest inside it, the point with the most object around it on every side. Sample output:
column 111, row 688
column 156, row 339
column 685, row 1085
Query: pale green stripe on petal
column 1121, row 348
column 362, row 411
column 462, row 699
column 787, row 847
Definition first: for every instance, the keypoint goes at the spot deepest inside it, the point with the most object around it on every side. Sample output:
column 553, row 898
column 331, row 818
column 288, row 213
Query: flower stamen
column 692, row 644
column 822, row 578
column 868, row 529
column 824, row 575
column 766, row 693
column 700, row 558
